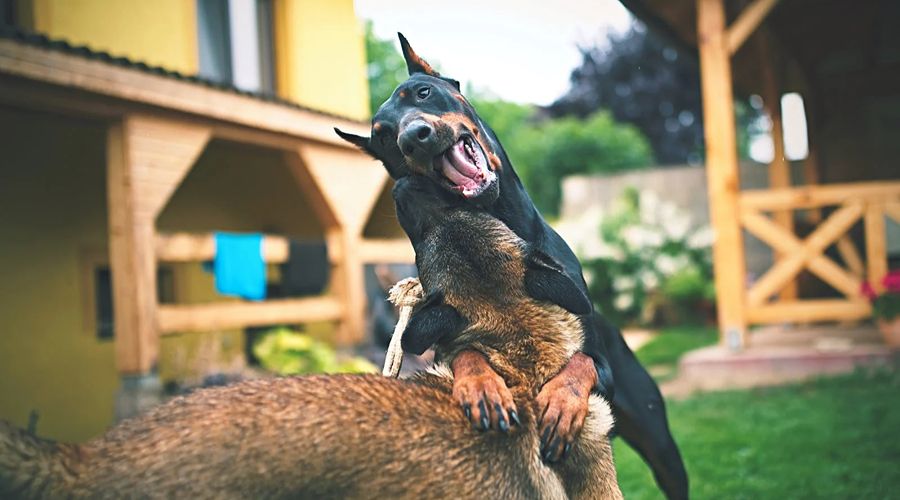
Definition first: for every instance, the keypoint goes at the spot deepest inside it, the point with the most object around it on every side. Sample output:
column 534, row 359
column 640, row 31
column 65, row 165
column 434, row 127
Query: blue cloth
column 239, row 268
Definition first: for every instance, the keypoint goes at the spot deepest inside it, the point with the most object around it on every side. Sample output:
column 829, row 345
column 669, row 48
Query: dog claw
column 485, row 421
column 501, row 420
column 550, row 454
column 545, row 436
column 467, row 409
column 514, row 417
column 566, row 450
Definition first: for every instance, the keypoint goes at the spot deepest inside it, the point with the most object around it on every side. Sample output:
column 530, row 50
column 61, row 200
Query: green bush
column 569, row 146
column 286, row 352
column 644, row 260
column 545, row 151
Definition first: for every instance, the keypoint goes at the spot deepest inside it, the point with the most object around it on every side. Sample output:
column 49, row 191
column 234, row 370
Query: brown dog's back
column 342, row 436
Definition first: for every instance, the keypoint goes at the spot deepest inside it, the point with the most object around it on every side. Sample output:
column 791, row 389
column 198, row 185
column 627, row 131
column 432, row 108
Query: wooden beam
column 812, row 164
column 23, row 94
column 850, row 255
column 779, row 275
column 779, row 168
column 892, row 210
column 132, row 261
column 812, row 172
column 161, row 153
column 818, row 196
column 348, row 285
column 349, row 182
column 387, row 251
column 722, row 170
column 746, row 23
column 876, row 245
column 141, row 87
column 786, row 243
column 147, row 158
column 192, row 247
column 223, row 315
column 809, row 311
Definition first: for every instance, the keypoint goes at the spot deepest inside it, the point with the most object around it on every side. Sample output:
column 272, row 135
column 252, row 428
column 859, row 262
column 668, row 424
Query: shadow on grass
column 830, row 438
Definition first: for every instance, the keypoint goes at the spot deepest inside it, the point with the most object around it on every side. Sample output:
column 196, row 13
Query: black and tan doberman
column 427, row 128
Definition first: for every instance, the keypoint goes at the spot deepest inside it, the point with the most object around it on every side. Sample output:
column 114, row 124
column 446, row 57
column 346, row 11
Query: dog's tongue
column 457, row 167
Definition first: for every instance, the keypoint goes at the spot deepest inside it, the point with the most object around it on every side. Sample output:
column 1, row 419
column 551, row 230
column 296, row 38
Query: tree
column 554, row 149
column 643, row 80
column 385, row 67
column 546, row 150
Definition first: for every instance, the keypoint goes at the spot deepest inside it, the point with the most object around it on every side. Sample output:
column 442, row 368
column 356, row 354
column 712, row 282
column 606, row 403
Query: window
column 236, row 43
column 104, row 322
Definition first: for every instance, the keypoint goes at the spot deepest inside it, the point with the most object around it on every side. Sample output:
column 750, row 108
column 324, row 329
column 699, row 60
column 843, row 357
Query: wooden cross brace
column 799, row 254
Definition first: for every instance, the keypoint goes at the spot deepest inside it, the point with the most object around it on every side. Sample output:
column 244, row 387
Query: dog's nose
column 418, row 135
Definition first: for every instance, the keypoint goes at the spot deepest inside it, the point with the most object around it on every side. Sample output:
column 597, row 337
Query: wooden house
column 129, row 132
column 829, row 216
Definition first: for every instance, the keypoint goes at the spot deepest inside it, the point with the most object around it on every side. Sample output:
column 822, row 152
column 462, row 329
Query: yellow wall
column 158, row 32
column 321, row 58
column 319, row 44
column 48, row 362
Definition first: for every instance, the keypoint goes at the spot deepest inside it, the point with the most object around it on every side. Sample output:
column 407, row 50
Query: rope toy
column 406, row 295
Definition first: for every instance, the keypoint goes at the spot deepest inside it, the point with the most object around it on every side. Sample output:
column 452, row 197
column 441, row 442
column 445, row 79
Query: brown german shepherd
column 363, row 436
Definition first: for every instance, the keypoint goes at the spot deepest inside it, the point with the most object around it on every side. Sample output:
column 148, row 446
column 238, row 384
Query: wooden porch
column 832, row 54
column 157, row 127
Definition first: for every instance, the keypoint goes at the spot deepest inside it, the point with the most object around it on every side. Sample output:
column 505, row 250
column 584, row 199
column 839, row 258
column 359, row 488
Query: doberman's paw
column 563, row 406
column 483, row 394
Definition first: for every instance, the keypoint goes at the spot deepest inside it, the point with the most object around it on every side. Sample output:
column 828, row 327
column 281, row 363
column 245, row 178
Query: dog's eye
column 423, row 92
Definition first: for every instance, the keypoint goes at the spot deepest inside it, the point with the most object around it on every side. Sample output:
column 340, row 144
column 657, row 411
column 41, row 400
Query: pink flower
column 891, row 281
column 868, row 292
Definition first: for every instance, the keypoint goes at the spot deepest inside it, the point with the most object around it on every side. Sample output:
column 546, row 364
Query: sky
column 521, row 51
column 524, row 51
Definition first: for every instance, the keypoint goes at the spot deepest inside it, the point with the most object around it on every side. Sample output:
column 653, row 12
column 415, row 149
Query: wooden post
column 342, row 186
column 722, row 171
column 132, row 263
column 779, row 168
column 876, row 245
column 146, row 160
column 349, row 285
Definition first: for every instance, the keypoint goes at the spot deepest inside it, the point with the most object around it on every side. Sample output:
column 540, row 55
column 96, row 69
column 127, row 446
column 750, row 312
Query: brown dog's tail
column 31, row 467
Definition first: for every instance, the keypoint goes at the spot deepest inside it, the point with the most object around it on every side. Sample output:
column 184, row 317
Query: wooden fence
column 192, row 247
column 869, row 202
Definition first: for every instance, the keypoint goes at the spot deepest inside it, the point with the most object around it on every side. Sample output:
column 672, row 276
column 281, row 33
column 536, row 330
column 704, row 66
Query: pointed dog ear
column 357, row 140
column 414, row 63
column 451, row 81
column 545, row 280
column 432, row 320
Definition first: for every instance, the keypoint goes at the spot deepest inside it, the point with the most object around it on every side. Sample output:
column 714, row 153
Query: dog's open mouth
column 465, row 167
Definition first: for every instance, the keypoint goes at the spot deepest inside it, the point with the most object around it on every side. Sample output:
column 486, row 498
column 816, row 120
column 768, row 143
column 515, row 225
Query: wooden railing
column 194, row 247
column 870, row 202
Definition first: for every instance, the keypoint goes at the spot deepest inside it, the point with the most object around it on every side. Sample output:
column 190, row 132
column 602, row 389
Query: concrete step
column 782, row 355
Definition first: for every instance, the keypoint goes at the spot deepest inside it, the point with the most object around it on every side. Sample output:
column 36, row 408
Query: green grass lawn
column 673, row 342
column 831, row 438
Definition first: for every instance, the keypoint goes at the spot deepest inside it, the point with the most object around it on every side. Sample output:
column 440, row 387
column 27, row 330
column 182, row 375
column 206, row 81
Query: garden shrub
column 287, row 352
column 644, row 258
